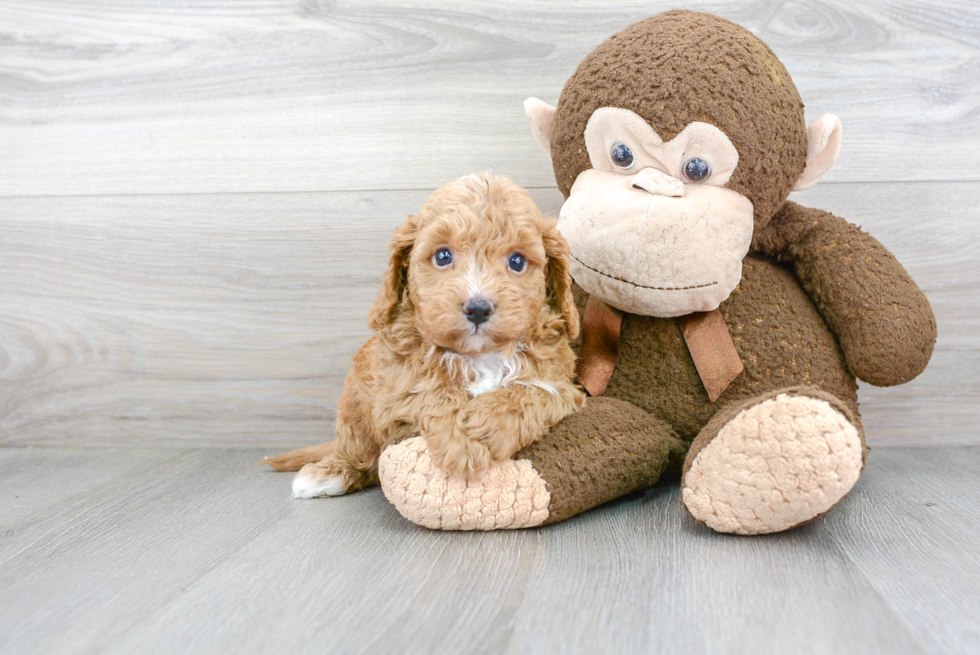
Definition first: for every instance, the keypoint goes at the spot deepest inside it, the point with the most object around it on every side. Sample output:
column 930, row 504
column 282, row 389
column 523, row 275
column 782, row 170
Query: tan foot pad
column 774, row 466
column 510, row 495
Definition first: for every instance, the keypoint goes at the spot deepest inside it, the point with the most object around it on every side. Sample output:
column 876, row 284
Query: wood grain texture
column 199, row 551
column 231, row 320
column 124, row 545
column 101, row 97
column 911, row 533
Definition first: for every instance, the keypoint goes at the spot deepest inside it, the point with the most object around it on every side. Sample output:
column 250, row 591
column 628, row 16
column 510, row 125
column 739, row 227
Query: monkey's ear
column 822, row 147
column 542, row 117
column 395, row 279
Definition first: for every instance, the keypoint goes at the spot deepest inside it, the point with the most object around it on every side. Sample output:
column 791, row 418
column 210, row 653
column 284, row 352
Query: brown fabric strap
column 600, row 346
column 712, row 350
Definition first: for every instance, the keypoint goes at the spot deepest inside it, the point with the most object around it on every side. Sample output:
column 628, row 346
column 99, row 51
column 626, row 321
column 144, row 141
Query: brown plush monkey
column 724, row 326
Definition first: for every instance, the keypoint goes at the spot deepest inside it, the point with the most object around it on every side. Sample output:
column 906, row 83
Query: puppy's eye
column 517, row 263
column 621, row 155
column 696, row 169
column 442, row 258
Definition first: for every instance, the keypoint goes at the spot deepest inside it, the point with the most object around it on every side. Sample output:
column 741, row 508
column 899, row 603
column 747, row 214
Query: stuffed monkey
column 724, row 326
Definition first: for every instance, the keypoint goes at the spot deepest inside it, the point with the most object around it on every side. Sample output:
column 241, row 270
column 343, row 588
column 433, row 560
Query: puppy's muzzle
column 478, row 310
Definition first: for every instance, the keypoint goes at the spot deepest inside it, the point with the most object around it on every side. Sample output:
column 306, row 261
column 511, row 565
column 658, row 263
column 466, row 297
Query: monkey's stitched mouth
column 643, row 286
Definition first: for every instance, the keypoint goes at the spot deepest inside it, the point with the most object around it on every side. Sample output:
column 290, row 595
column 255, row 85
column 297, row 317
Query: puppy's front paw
column 490, row 426
column 460, row 455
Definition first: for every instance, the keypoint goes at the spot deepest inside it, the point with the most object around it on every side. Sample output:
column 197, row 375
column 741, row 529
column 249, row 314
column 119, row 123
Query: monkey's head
column 673, row 142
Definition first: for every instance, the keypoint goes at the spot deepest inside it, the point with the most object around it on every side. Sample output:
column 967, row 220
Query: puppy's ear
column 395, row 279
column 559, row 280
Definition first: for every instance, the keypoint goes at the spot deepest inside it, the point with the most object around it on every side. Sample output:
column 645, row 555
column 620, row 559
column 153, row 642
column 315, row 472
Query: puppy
column 471, row 350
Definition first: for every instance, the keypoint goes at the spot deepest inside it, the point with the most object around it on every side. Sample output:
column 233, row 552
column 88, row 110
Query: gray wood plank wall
column 195, row 200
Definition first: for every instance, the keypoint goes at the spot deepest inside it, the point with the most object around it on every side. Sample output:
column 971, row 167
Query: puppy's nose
column 478, row 310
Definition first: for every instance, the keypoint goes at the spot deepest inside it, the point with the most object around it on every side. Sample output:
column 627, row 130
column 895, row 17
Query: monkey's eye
column 696, row 169
column 517, row 262
column 622, row 156
column 442, row 258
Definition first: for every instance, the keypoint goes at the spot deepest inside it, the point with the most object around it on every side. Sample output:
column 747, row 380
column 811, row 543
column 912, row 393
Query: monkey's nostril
column 478, row 310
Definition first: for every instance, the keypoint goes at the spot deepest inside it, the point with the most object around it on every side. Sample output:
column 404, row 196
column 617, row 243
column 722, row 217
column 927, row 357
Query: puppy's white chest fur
column 484, row 372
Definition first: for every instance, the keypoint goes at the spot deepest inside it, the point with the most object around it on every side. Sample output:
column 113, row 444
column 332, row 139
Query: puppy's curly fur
column 478, row 391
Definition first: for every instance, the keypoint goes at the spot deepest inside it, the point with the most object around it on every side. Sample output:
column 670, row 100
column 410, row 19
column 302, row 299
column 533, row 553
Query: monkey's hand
column 884, row 323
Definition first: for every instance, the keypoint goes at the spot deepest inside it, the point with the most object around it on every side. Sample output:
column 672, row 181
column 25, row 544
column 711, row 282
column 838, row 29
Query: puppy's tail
column 294, row 460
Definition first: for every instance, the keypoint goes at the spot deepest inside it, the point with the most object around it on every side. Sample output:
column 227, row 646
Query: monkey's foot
column 510, row 495
column 780, row 461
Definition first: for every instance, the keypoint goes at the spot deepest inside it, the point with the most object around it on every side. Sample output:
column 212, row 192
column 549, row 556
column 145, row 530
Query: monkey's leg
column 608, row 449
column 773, row 462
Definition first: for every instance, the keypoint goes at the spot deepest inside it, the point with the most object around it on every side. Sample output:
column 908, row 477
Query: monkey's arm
column 883, row 321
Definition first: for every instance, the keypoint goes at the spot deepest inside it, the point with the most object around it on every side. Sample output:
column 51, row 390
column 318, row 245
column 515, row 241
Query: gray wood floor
column 176, row 551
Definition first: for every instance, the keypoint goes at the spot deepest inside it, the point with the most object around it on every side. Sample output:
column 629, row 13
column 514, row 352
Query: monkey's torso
column 781, row 338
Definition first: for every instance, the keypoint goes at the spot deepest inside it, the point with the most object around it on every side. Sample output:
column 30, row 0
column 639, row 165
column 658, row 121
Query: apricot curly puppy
column 471, row 349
